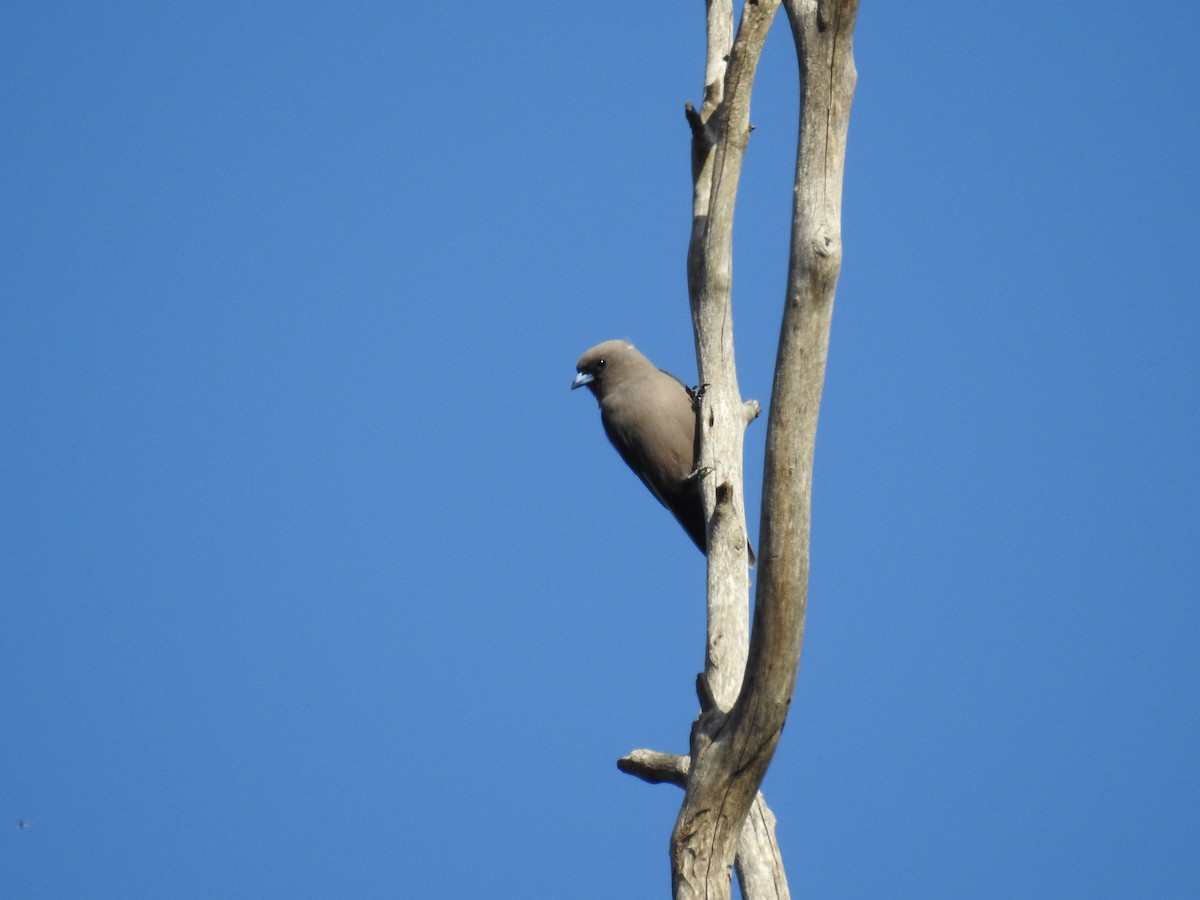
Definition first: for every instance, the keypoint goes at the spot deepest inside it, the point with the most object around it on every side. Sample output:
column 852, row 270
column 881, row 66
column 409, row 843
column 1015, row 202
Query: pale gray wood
column 749, row 676
column 732, row 745
column 719, row 135
column 759, row 864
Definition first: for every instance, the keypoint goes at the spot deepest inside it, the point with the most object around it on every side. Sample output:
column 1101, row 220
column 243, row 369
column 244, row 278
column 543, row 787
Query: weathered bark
column 749, row 677
column 730, row 751
column 720, row 129
column 759, row 864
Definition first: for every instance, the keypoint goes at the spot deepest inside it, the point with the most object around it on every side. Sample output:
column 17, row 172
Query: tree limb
column 720, row 130
column 759, row 862
column 730, row 751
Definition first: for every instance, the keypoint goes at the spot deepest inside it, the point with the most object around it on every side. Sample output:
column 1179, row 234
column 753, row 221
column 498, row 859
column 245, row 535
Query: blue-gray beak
column 581, row 379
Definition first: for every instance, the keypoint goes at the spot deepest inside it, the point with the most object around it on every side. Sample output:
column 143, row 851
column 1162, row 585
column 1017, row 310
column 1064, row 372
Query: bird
column 649, row 415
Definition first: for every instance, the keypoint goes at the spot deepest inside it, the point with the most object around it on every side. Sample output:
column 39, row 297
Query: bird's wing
column 660, row 450
column 691, row 391
column 635, row 456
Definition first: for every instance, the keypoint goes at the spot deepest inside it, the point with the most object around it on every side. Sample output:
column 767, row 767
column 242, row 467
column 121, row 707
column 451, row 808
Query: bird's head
column 604, row 364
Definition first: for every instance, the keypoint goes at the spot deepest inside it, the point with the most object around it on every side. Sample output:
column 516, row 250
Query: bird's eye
column 601, row 363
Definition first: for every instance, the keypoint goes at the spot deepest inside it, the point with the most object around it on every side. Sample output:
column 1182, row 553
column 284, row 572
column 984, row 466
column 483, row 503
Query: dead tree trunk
column 747, row 683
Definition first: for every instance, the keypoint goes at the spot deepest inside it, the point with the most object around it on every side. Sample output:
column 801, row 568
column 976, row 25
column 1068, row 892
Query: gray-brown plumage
column 649, row 416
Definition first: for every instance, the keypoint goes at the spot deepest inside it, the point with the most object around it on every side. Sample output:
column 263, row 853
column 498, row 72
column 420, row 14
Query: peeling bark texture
column 735, row 736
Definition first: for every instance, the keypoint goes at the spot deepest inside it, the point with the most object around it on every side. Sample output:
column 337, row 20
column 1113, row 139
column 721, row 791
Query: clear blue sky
column 318, row 582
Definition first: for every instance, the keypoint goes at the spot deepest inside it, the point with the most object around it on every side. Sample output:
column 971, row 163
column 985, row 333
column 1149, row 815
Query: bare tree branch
column 720, row 139
column 730, row 751
column 747, row 683
column 759, row 865
column 720, row 130
column 656, row 768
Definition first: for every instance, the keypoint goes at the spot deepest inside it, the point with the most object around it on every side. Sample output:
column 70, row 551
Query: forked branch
column 730, row 751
